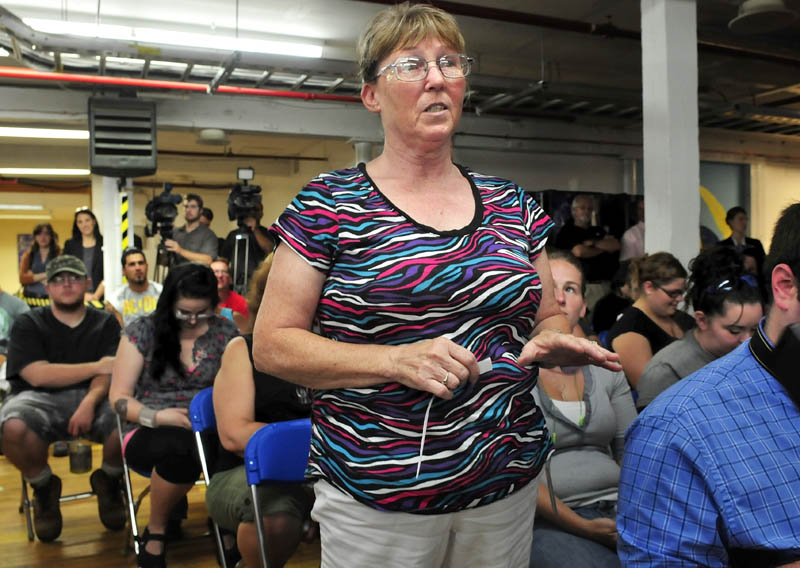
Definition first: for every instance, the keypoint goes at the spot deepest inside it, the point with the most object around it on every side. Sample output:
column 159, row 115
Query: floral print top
column 175, row 389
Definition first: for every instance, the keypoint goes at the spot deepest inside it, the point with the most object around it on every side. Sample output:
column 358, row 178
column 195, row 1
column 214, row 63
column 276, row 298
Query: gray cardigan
column 585, row 466
column 677, row 360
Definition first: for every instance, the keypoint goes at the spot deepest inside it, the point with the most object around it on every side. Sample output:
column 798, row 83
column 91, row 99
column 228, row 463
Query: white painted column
column 671, row 148
column 105, row 204
column 363, row 151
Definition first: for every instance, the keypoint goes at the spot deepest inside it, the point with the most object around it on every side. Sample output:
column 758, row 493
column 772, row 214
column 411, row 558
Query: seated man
column 11, row 307
column 139, row 296
column 59, row 365
column 227, row 297
column 711, row 475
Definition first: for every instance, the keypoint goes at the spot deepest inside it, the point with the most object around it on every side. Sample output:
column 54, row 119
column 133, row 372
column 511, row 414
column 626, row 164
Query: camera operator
column 260, row 244
column 194, row 242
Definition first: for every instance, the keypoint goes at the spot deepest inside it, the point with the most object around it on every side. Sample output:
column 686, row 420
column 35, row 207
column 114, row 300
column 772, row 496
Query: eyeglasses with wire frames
column 183, row 315
column 413, row 68
column 673, row 294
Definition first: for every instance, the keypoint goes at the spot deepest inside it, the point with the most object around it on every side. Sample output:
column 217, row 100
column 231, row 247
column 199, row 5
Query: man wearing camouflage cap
column 59, row 365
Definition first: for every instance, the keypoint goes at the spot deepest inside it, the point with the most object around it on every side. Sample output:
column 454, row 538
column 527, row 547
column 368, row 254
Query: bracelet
column 147, row 417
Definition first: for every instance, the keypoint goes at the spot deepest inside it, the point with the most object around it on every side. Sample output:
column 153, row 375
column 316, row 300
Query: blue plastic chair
column 276, row 452
column 201, row 413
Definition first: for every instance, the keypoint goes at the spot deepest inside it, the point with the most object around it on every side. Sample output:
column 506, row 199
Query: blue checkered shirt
column 713, row 463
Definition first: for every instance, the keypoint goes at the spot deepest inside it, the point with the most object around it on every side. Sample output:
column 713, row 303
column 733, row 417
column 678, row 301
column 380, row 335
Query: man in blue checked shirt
column 711, row 474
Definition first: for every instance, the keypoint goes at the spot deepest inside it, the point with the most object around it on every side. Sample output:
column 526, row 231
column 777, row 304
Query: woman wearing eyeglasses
column 87, row 244
column 654, row 320
column 163, row 360
column 430, row 295
column 727, row 305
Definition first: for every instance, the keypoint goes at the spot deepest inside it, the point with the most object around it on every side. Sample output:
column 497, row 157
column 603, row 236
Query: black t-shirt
column 276, row 400
column 635, row 320
column 255, row 254
column 600, row 267
column 38, row 336
column 607, row 310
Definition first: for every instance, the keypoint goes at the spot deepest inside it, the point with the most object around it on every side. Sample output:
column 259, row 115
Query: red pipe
column 22, row 73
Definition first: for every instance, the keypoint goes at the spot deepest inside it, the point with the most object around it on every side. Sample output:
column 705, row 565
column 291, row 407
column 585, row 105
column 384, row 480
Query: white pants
column 493, row 536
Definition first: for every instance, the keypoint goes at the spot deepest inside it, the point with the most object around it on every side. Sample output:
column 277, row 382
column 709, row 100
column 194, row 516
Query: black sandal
column 147, row 560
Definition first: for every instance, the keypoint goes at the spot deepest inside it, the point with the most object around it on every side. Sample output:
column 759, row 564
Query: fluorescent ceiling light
column 4, row 53
column 6, row 207
column 182, row 39
column 26, row 216
column 12, row 132
column 43, row 172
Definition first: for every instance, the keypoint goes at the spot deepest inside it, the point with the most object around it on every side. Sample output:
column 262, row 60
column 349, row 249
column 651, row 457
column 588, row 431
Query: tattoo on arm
column 121, row 408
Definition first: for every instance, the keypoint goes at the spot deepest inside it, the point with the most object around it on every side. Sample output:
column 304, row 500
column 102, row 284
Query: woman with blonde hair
column 654, row 320
column 429, row 294
column 244, row 401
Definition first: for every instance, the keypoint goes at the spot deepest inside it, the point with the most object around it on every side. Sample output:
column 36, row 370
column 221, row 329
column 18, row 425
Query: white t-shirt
column 133, row 305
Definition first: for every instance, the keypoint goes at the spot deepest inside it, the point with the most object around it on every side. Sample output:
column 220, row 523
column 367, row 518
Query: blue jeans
column 554, row 548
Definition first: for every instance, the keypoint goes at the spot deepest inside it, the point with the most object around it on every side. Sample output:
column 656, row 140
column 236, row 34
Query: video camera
column 244, row 200
column 161, row 212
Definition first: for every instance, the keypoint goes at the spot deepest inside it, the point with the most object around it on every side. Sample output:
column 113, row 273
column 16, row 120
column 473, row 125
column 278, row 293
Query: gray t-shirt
column 585, row 465
column 677, row 360
column 201, row 240
column 133, row 305
column 10, row 308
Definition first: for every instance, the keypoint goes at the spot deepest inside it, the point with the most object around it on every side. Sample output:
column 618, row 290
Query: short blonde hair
column 258, row 282
column 400, row 26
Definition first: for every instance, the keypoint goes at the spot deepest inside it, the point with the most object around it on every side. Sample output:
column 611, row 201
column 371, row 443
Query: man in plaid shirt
column 711, row 474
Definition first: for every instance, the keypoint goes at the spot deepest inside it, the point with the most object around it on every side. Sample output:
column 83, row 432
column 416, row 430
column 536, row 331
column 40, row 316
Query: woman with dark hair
column 587, row 409
column 244, row 401
column 87, row 244
column 163, row 360
column 654, row 320
column 727, row 305
column 33, row 264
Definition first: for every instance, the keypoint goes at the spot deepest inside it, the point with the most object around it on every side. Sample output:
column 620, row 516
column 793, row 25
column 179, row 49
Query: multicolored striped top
column 392, row 281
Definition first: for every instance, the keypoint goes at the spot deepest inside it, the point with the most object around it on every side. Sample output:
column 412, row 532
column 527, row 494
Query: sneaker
column 46, row 511
column 110, row 504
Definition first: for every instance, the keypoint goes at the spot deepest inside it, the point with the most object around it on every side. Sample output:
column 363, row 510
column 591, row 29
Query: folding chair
column 201, row 413
column 133, row 505
column 276, row 452
column 25, row 504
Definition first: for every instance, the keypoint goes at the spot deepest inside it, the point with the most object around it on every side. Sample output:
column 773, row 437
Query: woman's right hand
column 438, row 366
column 174, row 417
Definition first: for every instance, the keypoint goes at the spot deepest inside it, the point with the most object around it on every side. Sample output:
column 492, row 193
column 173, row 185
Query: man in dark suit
column 736, row 218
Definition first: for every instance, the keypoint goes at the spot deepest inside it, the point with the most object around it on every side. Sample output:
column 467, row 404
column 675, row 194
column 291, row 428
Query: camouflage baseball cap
column 65, row 263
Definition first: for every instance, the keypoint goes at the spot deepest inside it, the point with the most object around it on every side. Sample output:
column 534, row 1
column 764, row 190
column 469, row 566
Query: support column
column 106, row 206
column 671, row 147
column 363, row 151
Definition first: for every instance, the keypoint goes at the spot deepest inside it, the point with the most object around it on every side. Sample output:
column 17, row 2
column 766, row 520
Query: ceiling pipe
column 31, row 74
column 607, row 30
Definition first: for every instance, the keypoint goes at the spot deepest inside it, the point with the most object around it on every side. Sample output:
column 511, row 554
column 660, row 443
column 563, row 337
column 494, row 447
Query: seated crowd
column 177, row 340
column 181, row 338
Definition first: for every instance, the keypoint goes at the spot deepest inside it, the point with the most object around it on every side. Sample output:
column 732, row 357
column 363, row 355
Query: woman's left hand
column 553, row 348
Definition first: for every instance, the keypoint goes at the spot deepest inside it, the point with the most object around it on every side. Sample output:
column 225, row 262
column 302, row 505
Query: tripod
column 240, row 269
column 164, row 260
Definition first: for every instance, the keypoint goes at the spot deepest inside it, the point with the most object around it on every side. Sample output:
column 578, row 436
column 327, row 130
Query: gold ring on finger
column 446, row 378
